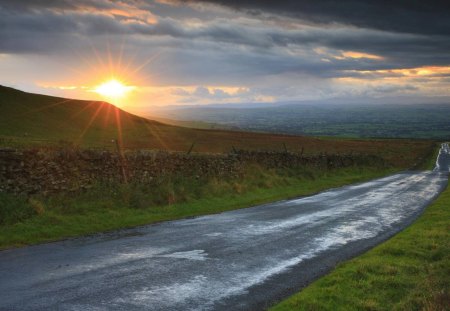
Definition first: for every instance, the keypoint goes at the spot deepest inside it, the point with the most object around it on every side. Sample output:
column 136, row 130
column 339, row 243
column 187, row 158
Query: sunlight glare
column 113, row 89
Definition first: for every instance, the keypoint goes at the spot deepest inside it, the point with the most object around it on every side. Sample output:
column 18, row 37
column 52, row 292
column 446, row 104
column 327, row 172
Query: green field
column 327, row 118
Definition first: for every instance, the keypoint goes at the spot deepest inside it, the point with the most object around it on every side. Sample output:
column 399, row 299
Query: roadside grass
column 411, row 271
column 110, row 207
column 429, row 161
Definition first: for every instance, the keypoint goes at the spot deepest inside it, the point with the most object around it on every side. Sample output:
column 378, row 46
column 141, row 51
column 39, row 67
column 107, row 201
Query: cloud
column 33, row 5
column 420, row 17
column 274, row 49
column 49, row 31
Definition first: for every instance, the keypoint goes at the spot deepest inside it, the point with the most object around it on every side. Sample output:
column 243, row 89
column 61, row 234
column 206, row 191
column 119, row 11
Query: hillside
column 31, row 119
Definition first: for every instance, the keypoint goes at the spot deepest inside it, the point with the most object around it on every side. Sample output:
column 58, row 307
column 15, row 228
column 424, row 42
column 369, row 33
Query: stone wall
column 47, row 171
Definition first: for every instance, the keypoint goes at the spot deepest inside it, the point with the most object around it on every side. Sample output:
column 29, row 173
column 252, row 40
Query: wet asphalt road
column 239, row 260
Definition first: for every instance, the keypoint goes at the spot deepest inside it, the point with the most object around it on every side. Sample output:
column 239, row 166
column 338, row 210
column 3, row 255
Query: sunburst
column 113, row 89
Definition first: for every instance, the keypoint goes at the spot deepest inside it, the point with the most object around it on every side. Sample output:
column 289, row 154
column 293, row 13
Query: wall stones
column 46, row 171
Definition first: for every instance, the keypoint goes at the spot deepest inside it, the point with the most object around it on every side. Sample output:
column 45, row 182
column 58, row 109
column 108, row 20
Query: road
column 239, row 260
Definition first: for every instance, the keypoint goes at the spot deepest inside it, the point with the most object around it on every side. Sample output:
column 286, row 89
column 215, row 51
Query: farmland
column 328, row 119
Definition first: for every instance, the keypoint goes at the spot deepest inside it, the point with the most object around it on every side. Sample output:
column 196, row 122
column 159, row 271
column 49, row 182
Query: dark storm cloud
column 38, row 31
column 422, row 17
column 32, row 25
column 202, row 44
column 29, row 5
column 46, row 32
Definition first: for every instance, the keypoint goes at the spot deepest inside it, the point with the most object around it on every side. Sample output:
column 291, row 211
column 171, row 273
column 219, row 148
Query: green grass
column 104, row 208
column 429, row 162
column 411, row 271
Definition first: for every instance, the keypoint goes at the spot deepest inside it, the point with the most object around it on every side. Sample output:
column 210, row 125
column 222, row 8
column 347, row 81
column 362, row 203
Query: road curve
column 239, row 260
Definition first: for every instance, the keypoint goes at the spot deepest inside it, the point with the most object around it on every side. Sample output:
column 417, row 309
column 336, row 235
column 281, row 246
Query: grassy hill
column 31, row 119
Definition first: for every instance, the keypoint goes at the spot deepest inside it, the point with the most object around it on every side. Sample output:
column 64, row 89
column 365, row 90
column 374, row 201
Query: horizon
column 337, row 101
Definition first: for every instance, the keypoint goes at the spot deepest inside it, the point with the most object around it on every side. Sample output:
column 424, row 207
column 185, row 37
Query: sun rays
column 113, row 89
column 109, row 75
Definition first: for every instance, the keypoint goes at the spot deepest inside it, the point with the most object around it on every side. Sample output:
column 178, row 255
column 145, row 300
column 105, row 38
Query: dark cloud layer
column 20, row 31
column 421, row 17
column 29, row 5
column 218, row 42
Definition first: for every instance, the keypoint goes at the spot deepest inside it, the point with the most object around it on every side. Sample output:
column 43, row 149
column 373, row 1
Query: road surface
column 239, row 260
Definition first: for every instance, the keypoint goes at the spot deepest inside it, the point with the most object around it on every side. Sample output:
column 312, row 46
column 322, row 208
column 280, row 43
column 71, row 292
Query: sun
column 113, row 89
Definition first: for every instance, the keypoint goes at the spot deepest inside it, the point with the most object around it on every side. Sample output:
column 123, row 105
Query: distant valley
column 344, row 120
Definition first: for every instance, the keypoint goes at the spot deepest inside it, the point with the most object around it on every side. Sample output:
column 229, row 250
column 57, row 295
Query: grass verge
column 408, row 272
column 104, row 208
column 428, row 162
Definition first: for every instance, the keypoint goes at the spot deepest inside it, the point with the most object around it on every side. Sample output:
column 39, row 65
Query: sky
column 172, row 52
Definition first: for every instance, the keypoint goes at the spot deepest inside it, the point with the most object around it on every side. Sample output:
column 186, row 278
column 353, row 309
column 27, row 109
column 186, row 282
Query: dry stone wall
column 47, row 171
